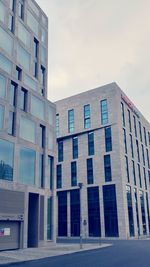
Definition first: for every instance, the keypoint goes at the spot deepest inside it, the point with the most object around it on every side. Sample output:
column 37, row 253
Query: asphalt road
column 122, row 254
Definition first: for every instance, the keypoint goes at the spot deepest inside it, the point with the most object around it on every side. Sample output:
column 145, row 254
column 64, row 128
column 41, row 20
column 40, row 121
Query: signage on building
column 130, row 105
column 4, row 232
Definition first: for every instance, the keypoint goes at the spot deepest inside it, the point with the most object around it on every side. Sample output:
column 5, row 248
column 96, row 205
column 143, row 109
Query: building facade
column 27, row 131
column 103, row 166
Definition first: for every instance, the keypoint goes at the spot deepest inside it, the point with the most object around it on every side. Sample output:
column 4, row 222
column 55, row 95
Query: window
column 107, row 168
column 139, row 173
column 145, row 181
column 23, row 99
column 18, row 73
column 91, row 143
column 5, row 64
column 145, row 138
column 137, row 212
column 23, row 57
column 148, row 161
column 2, row 86
column 41, row 170
column 130, row 210
column 35, row 60
column 57, row 125
column 11, row 25
column 42, row 136
column 27, row 166
column 149, row 138
column 30, row 82
column 59, row 176
column 1, row 117
column 147, row 205
column 62, row 213
column 143, row 154
column 137, row 149
column 140, row 131
column 135, row 129
column 6, row 42
column 93, row 211
column 75, row 212
column 50, row 172
column 71, row 121
column 108, row 139
column 123, row 114
column 32, row 22
column 104, row 112
column 21, row 9
column 131, row 145
column 24, row 35
column 37, row 108
column 13, row 94
column 6, row 160
column 43, row 76
column 2, row 12
column 49, row 218
column 73, row 174
column 27, row 129
column 75, row 147
column 89, row 171
column 133, row 170
column 110, row 211
column 87, row 122
column 11, row 126
column 60, row 151
column 127, row 170
column 129, row 118
column 125, row 141
column 143, row 212
column 12, row 4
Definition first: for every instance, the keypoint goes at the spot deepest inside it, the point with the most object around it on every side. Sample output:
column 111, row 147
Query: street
column 131, row 253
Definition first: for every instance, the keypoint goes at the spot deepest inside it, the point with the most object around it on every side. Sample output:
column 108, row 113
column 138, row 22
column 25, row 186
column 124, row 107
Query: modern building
column 27, row 131
column 103, row 166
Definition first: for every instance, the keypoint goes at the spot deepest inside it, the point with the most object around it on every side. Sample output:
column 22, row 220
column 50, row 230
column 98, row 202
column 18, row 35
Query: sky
column 95, row 42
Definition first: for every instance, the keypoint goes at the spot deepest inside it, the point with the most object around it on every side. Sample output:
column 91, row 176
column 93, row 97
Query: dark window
column 62, row 213
column 13, row 94
column 127, row 170
column 49, row 218
column 41, row 171
column 140, row 131
column 75, row 147
column 135, row 128
column 104, row 112
column 147, row 205
column 50, row 171
column 87, row 120
column 129, row 118
column 59, row 176
column 23, row 99
column 123, row 114
column 108, row 139
column 145, row 181
column 90, row 143
column 145, row 138
column 18, row 73
column 75, row 212
column 133, row 170
column 42, row 136
column 73, row 174
column 21, row 9
column 107, row 168
column 94, row 211
column 89, row 171
column 12, row 5
column 43, row 71
column 148, row 161
column 110, row 211
column 36, row 52
column 11, row 24
column 130, row 210
column 71, row 121
column 60, row 151
column 131, row 145
column 149, row 138
column 143, row 154
column 143, row 212
column 137, row 211
column 139, row 173
column 11, row 127
column 137, row 149
column 125, row 140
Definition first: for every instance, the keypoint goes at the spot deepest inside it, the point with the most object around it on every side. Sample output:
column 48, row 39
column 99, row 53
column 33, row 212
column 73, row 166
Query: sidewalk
column 22, row 255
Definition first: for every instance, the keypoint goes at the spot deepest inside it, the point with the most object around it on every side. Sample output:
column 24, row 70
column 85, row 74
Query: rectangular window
column 139, row 173
column 130, row 210
column 140, row 131
column 94, row 211
column 133, row 170
column 127, row 170
column 143, row 154
column 41, row 170
column 59, row 176
column 110, row 211
column 18, row 73
column 138, row 151
column 89, row 171
column 75, row 212
column 1, row 117
column 123, row 114
column 143, row 212
column 91, row 143
column 13, row 94
column 148, row 161
column 2, row 86
column 87, row 120
column 135, row 128
column 11, row 126
column 107, row 168
column 49, row 218
column 104, row 112
column 57, row 125
column 129, row 118
column 27, row 129
column 23, row 99
column 125, row 140
column 71, row 121
column 147, row 205
column 43, row 78
column 60, row 151
column 137, row 211
column 73, row 174
column 36, row 56
column 6, row 160
column 27, row 166
column 108, row 139
column 145, row 181
column 50, row 172
column 11, row 24
column 75, row 147
column 131, row 145
column 149, row 138
column 42, row 136
column 21, row 9
column 62, row 213
column 145, row 138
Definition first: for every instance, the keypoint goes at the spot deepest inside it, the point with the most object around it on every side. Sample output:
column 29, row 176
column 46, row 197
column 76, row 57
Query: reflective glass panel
column 27, row 129
column 6, row 160
column 5, row 64
column 2, row 86
column 27, row 166
column 37, row 108
column 1, row 116
column 6, row 41
column 24, row 35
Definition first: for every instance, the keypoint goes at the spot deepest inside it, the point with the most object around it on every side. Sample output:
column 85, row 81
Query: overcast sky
column 94, row 42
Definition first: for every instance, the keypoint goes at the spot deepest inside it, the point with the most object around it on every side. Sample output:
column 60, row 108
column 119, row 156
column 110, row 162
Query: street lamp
column 81, row 241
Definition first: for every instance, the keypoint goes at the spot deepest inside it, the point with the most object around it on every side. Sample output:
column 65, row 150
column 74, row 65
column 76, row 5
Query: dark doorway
column 33, row 218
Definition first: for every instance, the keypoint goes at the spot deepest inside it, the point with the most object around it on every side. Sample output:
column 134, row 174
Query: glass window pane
column 27, row 129
column 1, row 116
column 43, row 55
column 6, row 41
column 6, row 160
column 27, row 166
column 23, row 57
column 30, row 82
column 5, row 64
column 32, row 22
column 24, row 35
column 37, row 108
column 2, row 86
column 2, row 12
